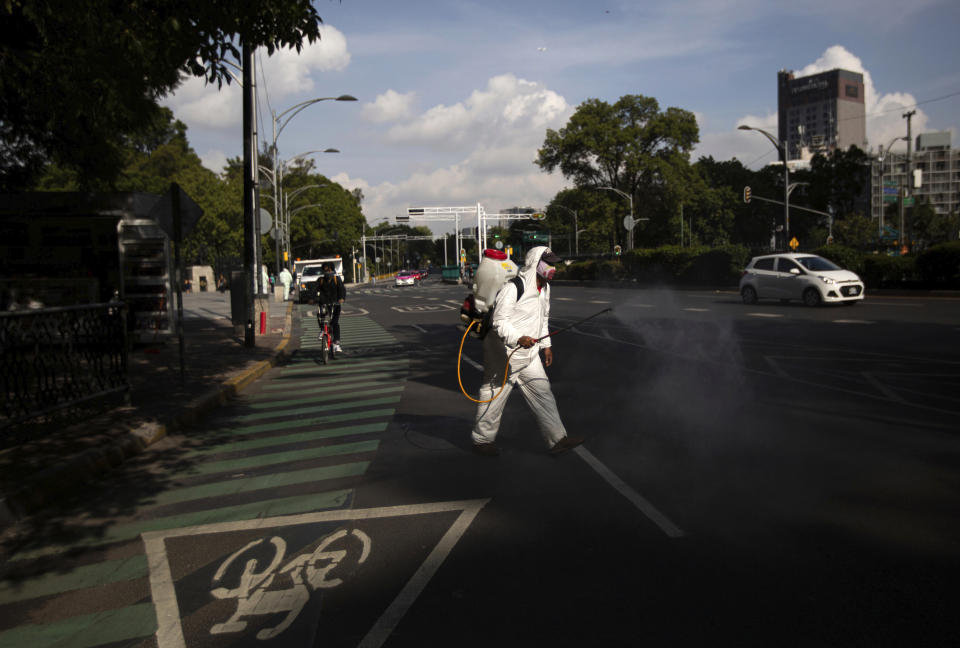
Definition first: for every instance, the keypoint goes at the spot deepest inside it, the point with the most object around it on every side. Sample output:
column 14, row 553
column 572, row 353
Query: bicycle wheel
column 324, row 347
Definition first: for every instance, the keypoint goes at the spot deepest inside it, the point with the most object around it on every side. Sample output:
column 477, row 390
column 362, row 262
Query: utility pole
column 903, row 235
column 249, row 177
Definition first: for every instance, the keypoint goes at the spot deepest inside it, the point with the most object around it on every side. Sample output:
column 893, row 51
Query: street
column 753, row 475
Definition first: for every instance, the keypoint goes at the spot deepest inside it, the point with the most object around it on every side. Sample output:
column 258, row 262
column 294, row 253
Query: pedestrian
column 285, row 280
column 520, row 317
column 332, row 293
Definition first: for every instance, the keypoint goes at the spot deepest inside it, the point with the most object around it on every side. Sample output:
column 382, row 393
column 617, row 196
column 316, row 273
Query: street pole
column 907, row 181
column 782, row 149
column 249, row 339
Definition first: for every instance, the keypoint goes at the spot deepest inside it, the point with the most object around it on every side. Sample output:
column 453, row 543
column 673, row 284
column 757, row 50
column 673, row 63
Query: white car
column 407, row 278
column 807, row 277
column 307, row 283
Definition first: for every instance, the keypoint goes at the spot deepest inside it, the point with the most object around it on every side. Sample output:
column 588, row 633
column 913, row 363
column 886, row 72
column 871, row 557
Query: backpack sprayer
column 495, row 271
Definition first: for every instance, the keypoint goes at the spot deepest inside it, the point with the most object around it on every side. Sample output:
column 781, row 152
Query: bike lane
column 246, row 519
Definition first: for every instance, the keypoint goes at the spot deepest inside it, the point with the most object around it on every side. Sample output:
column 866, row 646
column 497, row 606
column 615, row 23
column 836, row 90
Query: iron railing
column 54, row 358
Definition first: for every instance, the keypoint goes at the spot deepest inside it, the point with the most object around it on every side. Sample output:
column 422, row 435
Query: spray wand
column 506, row 370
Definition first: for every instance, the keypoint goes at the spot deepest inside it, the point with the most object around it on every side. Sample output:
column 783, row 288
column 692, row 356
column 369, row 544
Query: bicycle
column 326, row 340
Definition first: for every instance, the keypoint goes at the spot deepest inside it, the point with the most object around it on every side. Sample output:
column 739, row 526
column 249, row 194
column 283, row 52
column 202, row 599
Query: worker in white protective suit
column 519, row 323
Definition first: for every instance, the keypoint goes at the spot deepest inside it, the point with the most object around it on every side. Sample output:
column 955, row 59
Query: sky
column 455, row 97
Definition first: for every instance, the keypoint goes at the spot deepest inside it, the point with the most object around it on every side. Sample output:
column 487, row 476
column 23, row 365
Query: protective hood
column 530, row 262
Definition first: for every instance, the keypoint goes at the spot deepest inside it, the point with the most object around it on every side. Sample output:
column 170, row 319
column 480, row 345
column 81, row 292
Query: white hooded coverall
column 513, row 319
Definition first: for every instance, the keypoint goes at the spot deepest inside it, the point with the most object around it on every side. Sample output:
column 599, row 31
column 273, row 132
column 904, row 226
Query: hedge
column 721, row 266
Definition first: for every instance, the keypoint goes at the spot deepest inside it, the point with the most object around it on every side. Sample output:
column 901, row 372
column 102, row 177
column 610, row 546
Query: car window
column 818, row 263
column 764, row 264
column 785, row 265
column 310, row 271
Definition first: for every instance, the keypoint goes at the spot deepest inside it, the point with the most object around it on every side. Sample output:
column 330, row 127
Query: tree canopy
column 79, row 80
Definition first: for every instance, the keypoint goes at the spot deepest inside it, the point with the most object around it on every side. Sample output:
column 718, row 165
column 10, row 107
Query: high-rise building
column 939, row 177
column 821, row 112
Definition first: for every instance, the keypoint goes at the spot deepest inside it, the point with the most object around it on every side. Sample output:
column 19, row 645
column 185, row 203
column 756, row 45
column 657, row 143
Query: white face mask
column 545, row 270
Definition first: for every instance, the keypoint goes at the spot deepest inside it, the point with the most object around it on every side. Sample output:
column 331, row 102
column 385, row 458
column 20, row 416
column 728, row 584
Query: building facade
column 821, row 112
column 938, row 165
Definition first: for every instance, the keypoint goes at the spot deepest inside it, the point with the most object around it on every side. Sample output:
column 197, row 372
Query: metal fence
column 55, row 358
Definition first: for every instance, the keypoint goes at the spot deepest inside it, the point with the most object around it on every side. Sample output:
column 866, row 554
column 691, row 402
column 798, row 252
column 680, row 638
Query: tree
column 855, row 231
column 632, row 146
column 78, row 79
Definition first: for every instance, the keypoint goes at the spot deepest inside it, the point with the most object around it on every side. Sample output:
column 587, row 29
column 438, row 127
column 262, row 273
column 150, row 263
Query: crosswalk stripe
column 288, row 385
column 373, row 365
column 277, row 458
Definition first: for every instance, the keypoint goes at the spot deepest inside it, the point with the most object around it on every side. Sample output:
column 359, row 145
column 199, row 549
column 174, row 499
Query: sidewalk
column 35, row 472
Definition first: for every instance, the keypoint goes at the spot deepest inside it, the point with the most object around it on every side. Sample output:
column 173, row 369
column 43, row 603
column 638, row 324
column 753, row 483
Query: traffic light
column 746, row 194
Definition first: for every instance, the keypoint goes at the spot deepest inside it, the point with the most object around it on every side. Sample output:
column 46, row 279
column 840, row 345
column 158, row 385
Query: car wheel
column 811, row 297
column 749, row 295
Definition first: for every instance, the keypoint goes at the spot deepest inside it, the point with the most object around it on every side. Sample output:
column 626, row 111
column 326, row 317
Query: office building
column 821, row 112
column 938, row 165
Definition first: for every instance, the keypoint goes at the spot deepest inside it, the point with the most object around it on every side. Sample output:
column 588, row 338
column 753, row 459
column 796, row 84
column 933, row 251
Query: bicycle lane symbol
column 255, row 595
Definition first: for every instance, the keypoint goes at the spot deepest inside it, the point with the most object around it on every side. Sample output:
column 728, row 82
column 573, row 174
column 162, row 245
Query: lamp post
column 782, row 149
column 576, row 232
column 880, row 159
column 293, row 111
column 632, row 222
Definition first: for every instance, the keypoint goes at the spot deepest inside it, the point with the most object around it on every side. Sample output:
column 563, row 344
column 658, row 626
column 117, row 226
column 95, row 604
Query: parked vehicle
column 806, row 277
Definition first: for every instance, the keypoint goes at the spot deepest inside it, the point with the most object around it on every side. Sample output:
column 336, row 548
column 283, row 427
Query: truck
column 307, row 271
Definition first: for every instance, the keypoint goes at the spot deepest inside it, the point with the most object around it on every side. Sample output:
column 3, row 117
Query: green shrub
column 845, row 257
column 881, row 270
column 940, row 264
column 610, row 270
column 578, row 271
column 717, row 266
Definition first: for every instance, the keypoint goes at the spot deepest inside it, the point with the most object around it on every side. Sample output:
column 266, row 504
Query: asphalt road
column 762, row 475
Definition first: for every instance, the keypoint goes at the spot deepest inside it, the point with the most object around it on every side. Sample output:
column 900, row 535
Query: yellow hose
column 506, row 370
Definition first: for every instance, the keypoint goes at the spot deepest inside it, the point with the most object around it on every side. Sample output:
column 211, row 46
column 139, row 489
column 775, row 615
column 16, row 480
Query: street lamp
column 632, row 222
column 293, row 111
column 782, row 149
column 880, row 159
column 576, row 232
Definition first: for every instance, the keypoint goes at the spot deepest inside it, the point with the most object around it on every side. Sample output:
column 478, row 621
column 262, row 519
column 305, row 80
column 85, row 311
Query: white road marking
column 470, row 361
column 883, row 389
column 765, row 314
column 169, row 628
column 606, row 334
column 852, row 321
column 598, row 301
column 419, row 328
column 638, row 306
column 697, row 310
column 648, row 509
column 563, row 298
column 776, row 367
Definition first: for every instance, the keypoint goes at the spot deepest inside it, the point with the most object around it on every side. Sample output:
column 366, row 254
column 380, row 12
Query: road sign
column 628, row 222
column 794, row 243
column 266, row 221
column 908, row 202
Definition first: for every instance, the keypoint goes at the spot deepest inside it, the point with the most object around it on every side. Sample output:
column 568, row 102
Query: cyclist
column 331, row 292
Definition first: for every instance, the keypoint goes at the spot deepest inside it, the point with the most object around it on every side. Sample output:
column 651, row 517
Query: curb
column 92, row 463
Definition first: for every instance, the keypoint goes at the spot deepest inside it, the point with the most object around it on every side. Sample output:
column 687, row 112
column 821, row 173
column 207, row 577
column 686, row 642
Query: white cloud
column 215, row 160
column 507, row 109
column 884, row 116
column 286, row 72
column 389, row 106
column 496, row 130
column 884, row 111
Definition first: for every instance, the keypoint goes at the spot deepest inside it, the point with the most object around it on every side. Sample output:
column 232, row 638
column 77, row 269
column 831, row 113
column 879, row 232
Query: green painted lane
column 306, row 383
column 310, row 422
column 108, row 571
column 314, row 409
column 261, row 460
column 273, row 480
column 289, row 439
column 250, row 511
column 122, row 624
column 372, row 366
column 311, row 394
